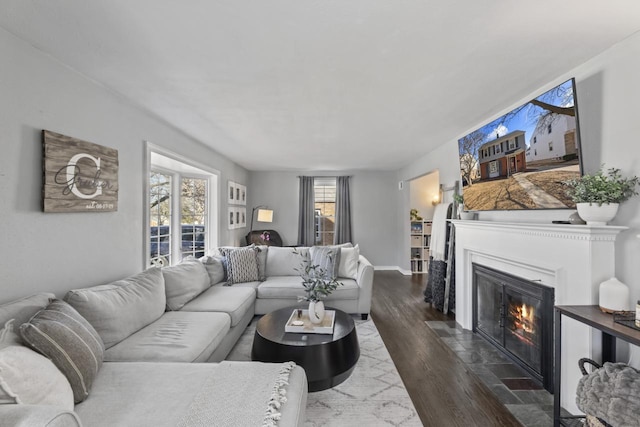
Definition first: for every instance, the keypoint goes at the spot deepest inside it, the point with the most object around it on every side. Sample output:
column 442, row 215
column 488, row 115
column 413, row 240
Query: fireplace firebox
column 516, row 316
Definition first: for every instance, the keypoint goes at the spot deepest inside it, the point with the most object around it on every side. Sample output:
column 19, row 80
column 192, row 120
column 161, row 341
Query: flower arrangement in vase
column 598, row 196
column 265, row 236
column 318, row 284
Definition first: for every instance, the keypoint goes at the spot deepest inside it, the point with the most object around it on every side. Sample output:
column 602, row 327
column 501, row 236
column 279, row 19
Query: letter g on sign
column 71, row 169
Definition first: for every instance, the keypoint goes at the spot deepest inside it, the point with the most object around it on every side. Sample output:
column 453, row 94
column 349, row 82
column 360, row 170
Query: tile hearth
column 531, row 404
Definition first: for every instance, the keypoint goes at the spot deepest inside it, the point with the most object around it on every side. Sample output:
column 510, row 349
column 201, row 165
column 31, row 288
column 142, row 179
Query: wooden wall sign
column 79, row 176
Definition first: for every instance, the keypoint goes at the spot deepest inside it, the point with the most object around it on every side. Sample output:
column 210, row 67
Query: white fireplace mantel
column 572, row 259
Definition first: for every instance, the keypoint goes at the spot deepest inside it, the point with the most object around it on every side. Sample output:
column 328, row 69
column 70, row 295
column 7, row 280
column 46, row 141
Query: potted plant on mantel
column 318, row 284
column 598, row 196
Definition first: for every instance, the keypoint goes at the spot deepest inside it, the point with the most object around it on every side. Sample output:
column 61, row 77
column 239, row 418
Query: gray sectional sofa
column 155, row 324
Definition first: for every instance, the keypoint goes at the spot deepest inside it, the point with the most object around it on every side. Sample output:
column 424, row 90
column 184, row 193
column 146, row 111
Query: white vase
column 595, row 214
column 613, row 296
column 316, row 311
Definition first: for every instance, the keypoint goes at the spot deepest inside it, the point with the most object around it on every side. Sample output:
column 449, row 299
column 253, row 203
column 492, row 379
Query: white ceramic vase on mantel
column 316, row 312
column 595, row 214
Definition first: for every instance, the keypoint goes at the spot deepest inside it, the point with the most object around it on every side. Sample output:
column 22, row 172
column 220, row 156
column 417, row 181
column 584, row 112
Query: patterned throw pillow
column 242, row 265
column 327, row 258
column 60, row 333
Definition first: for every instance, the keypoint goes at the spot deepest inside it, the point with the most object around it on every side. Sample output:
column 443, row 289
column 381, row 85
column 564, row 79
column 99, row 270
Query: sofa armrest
column 364, row 278
column 37, row 415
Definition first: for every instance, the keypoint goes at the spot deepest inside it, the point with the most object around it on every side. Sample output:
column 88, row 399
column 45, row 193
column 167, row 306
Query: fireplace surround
column 516, row 316
column 571, row 259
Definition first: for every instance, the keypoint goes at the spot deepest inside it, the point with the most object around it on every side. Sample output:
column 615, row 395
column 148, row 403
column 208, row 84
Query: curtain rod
column 324, row 176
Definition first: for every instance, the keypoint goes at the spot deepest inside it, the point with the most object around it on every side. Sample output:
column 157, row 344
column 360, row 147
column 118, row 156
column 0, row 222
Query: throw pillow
column 327, row 258
column 121, row 308
column 242, row 265
column 349, row 259
column 29, row 378
column 60, row 333
column 183, row 282
column 262, row 262
column 215, row 268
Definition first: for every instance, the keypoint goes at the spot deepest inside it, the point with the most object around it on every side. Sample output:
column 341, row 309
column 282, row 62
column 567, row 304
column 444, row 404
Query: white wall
column 374, row 200
column 608, row 90
column 57, row 252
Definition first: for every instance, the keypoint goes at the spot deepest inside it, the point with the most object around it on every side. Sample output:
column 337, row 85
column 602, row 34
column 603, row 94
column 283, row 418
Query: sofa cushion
column 215, row 268
column 242, row 265
column 178, row 336
column 120, row 308
column 326, row 258
column 29, row 378
column 290, row 287
column 185, row 281
column 235, row 301
column 349, row 258
column 65, row 337
column 285, row 261
column 24, row 308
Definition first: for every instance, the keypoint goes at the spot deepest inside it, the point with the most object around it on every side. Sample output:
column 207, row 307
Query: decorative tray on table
column 325, row 327
column 626, row 318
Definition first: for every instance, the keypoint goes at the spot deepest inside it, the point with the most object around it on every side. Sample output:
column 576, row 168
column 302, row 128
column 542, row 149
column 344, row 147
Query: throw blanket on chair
column 437, row 273
column 227, row 407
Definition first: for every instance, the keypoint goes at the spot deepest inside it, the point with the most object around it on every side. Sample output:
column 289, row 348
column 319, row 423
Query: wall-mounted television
column 521, row 159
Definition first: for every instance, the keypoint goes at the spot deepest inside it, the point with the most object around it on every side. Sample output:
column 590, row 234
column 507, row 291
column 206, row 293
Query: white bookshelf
column 419, row 246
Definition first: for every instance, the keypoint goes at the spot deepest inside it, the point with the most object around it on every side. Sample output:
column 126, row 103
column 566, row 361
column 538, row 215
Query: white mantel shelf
column 567, row 231
column 572, row 259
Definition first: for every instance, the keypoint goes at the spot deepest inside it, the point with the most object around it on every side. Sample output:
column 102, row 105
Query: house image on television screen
column 553, row 141
column 503, row 156
column 522, row 159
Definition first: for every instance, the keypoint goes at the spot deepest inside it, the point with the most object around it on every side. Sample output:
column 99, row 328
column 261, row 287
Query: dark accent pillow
column 327, row 258
column 60, row 333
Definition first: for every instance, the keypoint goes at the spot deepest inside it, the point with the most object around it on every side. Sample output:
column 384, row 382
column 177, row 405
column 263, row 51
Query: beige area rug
column 373, row 395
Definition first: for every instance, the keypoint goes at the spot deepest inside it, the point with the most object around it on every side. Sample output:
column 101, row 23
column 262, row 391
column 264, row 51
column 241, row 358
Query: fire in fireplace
column 523, row 324
column 516, row 316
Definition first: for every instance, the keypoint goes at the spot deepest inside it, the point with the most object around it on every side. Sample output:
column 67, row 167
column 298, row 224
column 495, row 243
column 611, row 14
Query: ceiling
column 322, row 84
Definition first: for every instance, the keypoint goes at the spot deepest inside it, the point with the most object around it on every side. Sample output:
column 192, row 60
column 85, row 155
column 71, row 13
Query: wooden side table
column 592, row 316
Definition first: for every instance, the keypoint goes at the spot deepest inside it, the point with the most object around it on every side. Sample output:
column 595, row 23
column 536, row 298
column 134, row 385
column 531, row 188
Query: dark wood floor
column 443, row 390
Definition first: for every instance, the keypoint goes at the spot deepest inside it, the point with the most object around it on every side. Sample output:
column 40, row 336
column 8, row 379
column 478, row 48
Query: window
column 324, row 192
column 512, row 144
column 535, row 139
column 181, row 210
column 497, row 149
column 549, row 128
column 550, row 145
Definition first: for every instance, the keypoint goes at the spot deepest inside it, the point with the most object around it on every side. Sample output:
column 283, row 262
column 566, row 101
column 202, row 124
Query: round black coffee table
column 327, row 359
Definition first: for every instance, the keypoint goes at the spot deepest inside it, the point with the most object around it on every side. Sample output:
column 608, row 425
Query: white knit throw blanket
column 439, row 232
column 261, row 384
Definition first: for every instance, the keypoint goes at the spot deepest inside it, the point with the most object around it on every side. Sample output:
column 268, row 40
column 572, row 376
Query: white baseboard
column 392, row 268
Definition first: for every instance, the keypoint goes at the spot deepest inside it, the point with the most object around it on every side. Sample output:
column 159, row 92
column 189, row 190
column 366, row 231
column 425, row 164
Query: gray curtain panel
column 343, row 211
column 306, row 212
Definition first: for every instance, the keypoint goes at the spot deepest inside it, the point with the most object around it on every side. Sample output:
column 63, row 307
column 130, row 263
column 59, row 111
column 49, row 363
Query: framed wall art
column 242, row 200
column 78, row 176
column 231, row 218
column 231, row 193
